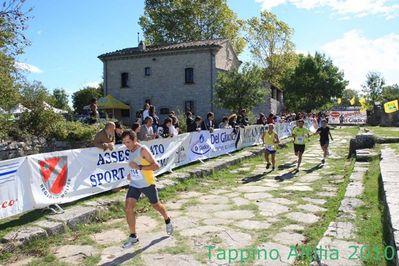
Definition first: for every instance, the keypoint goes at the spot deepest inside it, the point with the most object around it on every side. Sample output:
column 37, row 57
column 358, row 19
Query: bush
column 40, row 122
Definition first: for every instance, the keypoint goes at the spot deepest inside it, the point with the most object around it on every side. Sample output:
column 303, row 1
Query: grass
column 371, row 219
column 385, row 131
column 395, row 146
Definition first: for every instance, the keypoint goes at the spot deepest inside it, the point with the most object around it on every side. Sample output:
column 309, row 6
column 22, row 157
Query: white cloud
column 357, row 55
column 342, row 7
column 28, row 67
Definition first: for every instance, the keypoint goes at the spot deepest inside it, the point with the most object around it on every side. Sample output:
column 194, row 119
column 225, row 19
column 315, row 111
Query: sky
column 67, row 36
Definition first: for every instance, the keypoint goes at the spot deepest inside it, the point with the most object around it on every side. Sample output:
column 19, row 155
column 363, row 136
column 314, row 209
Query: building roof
column 216, row 43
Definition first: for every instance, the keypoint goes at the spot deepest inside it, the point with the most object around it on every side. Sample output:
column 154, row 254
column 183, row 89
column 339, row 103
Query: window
column 147, row 71
column 125, row 113
column 189, row 75
column 189, row 106
column 164, row 111
column 124, row 80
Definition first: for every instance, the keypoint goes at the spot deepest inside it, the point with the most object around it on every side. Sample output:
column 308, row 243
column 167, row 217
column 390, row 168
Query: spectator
column 208, row 123
column 190, row 122
column 118, row 133
column 261, row 120
column 105, row 138
column 147, row 131
column 94, row 114
column 270, row 119
column 139, row 117
column 224, row 123
column 136, row 127
column 243, row 121
column 155, row 118
column 168, row 130
column 175, row 122
column 233, row 121
column 146, row 111
column 197, row 123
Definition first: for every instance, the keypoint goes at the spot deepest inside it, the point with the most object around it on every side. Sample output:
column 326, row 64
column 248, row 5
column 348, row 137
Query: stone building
column 176, row 77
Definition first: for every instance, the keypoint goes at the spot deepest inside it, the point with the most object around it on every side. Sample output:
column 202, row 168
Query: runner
column 270, row 138
column 299, row 133
column 142, row 180
column 324, row 132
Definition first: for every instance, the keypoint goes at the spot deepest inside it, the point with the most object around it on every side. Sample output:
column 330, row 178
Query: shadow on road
column 286, row 165
column 314, row 168
column 286, row 176
column 254, row 178
column 129, row 256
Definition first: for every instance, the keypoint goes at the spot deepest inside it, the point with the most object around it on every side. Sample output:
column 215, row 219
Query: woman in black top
column 324, row 132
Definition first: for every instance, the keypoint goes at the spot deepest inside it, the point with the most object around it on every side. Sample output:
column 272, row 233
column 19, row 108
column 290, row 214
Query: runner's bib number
column 269, row 147
column 300, row 139
column 135, row 175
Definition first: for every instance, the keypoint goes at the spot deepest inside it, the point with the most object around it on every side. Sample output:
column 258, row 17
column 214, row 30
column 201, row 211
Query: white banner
column 350, row 117
column 15, row 194
column 40, row 180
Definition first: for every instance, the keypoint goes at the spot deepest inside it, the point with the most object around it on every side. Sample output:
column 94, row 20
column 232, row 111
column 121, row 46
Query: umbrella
column 18, row 109
column 109, row 102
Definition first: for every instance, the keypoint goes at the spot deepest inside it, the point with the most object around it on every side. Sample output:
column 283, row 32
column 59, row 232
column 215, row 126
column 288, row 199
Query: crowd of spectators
column 148, row 126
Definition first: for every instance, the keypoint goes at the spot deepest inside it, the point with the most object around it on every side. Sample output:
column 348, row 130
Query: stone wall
column 13, row 149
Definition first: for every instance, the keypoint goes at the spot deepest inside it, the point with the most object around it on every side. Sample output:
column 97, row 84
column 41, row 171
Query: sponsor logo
column 201, row 147
column 335, row 114
column 7, row 204
column 54, row 174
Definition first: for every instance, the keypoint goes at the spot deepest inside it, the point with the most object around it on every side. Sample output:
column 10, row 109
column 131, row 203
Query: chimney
column 141, row 46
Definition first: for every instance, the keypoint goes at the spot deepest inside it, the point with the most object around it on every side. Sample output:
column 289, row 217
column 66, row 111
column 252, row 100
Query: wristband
column 140, row 167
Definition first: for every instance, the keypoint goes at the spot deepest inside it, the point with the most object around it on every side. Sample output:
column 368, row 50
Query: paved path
column 265, row 213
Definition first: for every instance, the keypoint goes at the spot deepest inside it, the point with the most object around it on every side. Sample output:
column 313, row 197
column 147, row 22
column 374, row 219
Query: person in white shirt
column 146, row 111
column 146, row 131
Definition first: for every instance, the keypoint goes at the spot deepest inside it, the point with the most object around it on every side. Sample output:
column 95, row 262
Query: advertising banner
column 350, row 117
column 15, row 194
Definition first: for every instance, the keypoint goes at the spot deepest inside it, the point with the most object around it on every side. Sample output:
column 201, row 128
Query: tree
column 390, row 93
column 270, row 44
column 82, row 97
column 34, row 94
column 237, row 89
column 313, row 83
column 13, row 20
column 61, row 99
column 174, row 21
column 347, row 95
column 373, row 86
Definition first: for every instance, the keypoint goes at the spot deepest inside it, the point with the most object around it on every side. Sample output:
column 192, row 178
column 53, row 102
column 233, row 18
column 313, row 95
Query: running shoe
column 323, row 161
column 267, row 165
column 131, row 241
column 169, row 228
column 273, row 168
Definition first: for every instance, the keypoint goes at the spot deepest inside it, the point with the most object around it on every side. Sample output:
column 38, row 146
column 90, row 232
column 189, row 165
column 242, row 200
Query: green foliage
column 270, row 45
column 34, row 94
column 373, row 86
column 40, row 122
column 60, row 99
column 347, row 95
column 390, row 93
column 83, row 97
column 313, row 83
column 237, row 89
column 174, row 21
column 73, row 131
column 13, row 21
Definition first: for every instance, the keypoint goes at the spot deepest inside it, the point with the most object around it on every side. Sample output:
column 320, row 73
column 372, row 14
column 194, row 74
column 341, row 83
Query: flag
column 352, row 101
column 391, row 107
column 362, row 102
column 339, row 101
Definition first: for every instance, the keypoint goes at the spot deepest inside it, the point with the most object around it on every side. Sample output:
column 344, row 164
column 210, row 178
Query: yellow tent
column 110, row 102
column 391, row 107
